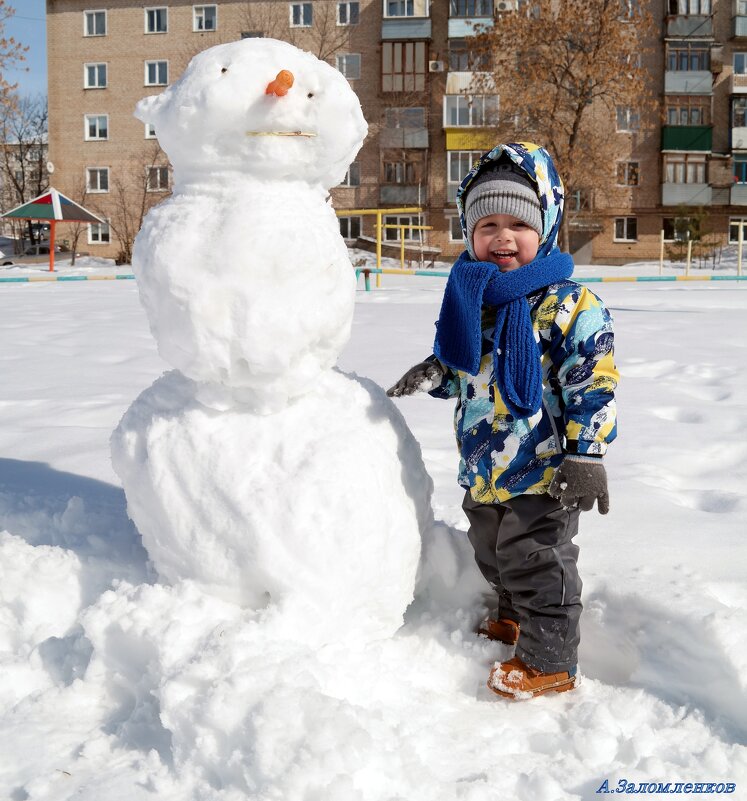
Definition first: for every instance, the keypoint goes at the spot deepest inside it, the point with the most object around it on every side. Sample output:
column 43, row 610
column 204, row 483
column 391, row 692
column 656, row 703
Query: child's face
column 504, row 240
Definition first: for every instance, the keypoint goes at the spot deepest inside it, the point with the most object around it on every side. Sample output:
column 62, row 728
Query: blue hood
column 538, row 165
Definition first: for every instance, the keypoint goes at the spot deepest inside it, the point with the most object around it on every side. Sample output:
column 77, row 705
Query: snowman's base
column 316, row 509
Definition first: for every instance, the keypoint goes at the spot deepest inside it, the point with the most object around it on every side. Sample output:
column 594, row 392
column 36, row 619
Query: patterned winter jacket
column 501, row 456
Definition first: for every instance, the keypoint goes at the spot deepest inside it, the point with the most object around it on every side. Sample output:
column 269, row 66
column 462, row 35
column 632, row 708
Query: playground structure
column 380, row 227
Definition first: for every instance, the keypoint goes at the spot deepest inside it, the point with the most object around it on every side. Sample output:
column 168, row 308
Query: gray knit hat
column 503, row 189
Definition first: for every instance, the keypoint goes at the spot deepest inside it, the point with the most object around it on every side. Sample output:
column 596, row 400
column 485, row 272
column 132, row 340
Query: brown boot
column 503, row 630
column 514, row 679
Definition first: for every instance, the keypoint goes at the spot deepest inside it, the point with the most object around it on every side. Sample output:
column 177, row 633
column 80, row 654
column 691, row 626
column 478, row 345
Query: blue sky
column 29, row 27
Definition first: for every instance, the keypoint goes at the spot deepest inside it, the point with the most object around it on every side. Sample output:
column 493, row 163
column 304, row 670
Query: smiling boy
column 528, row 353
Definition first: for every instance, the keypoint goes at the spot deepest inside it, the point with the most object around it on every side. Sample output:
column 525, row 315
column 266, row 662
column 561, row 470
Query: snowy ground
column 148, row 692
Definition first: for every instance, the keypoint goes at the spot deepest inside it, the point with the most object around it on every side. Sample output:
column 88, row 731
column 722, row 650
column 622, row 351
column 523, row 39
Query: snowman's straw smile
column 279, row 133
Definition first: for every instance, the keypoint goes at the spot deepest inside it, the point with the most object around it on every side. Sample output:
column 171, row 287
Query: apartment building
column 411, row 64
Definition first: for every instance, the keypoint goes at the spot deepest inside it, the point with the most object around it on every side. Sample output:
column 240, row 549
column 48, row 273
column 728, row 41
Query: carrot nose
column 280, row 84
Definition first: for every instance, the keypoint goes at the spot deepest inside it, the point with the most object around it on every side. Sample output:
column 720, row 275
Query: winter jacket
column 503, row 456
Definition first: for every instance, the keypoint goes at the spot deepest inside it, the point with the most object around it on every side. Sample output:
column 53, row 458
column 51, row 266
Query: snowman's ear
column 148, row 108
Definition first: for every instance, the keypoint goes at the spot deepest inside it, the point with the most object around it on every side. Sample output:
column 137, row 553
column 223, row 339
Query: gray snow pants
column 524, row 549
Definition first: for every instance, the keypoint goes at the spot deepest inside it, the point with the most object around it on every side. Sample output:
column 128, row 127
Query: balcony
column 739, row 27
column 738, row 195
column 406, row 28
column 403, row 137
column 681, row 25
column 462, row 27
column 401, row 195
column 694, row 82
column 465, row 138
column 685, row 194
column 687, row 137
column 738, row 84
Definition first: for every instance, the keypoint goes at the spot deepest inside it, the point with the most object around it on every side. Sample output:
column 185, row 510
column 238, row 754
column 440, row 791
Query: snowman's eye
column 225, row 69
column 310, row 94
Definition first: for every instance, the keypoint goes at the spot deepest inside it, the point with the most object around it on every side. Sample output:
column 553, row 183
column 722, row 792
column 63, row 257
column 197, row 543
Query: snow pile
column 152, row 691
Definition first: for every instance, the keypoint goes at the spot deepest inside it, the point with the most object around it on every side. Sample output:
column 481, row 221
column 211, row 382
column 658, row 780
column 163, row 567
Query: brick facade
column 126, row 47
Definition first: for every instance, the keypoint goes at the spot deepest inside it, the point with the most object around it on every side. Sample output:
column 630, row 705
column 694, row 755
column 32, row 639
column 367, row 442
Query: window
column 627, row 173
column 739, row 169
column 158, row 179
column 739, row 112
column 99, row 234
column 455, row 230
column 735, row 223
column 627, row 119
column 150, row 130
column 579, row 200
column 252, row 35
column 458, row 164
column 684, row 168
column 626, row 229
column 688, row 110
column 347, row 13
column 676, row 228
column 403, row 167
column 690, row 7
column 349, row 65
column 301, row 15
column 471, row 8
column 393, row 234
column 684, row 56
column 350, row 227
column 403, row 66
column 94, row 76
column 740, row 63
column 94, row 23
column 399, row 8
column 466, row 110
column 97, row 179
column 353, row 175
column 156, row 73
column 463, row 57
column 629, row 8
column 204, row 18
column 741, row 9
column 156, row 20
column 96, row 126
column 405, row 117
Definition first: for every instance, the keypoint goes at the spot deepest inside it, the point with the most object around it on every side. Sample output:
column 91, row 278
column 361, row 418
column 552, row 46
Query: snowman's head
column 232, row 109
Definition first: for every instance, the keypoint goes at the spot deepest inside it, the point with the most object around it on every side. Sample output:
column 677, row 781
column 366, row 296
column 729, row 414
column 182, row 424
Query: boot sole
column 520, row 695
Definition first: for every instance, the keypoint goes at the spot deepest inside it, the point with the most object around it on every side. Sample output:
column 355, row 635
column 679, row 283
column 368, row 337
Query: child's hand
column 579, row 481
column 420, row 378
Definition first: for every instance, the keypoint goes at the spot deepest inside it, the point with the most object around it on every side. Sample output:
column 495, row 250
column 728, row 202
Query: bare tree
column 11, row 53
column 572, row 72
column 324, row 37
column 134, row 191
column 80, row 196
column 23, row 165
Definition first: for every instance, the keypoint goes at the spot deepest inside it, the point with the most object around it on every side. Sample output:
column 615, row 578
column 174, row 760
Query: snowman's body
column 255, row 469
column 250, row 291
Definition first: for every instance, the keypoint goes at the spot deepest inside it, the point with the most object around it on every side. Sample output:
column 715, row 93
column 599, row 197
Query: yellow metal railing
column 380, row 225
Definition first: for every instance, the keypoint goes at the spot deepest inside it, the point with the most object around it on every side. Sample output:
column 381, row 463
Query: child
column 528, row 354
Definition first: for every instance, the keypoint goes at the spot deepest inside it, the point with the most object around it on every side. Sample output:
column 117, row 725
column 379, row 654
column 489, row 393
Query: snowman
column 255, row 469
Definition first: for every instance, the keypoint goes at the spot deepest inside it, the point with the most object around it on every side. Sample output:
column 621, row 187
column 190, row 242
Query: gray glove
column 420, row 378
column 578, row 482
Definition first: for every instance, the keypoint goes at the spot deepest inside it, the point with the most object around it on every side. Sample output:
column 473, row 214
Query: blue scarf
column 516, row 359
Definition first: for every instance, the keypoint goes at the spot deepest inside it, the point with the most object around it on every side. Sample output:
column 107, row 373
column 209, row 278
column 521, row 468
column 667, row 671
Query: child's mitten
column 420, row 378
column 579, row 481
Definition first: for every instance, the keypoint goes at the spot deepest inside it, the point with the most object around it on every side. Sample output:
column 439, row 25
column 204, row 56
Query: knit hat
column 503, row 189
